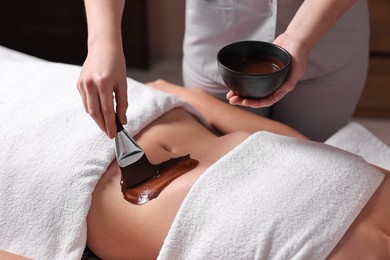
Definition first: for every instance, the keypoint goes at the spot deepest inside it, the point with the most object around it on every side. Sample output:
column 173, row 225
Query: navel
column 167, row 148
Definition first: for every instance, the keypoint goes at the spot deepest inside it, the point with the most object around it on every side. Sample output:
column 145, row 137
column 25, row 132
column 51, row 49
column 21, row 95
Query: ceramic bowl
column 253, row 69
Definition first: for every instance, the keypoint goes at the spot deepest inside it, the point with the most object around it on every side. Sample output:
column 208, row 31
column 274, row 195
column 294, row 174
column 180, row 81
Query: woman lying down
column 118, row 229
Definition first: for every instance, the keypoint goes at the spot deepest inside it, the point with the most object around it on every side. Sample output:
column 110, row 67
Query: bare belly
column 120, row 230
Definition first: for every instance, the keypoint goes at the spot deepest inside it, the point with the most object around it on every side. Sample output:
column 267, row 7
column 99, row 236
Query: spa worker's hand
column 103, row 75
column 311, row 21
column 299, row 58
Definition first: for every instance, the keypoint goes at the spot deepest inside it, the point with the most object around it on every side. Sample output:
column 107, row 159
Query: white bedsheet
column 52, row 154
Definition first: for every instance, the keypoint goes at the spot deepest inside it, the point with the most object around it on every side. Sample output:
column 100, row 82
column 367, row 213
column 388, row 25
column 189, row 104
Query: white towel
column 272, row 197
column 358, row 140
column 9, row 54
column 52, row 154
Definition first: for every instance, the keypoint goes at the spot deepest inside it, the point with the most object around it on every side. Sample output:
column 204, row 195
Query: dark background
column 56, row 30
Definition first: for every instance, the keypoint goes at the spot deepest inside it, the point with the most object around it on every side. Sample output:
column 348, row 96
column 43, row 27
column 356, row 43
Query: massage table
column 53, row 154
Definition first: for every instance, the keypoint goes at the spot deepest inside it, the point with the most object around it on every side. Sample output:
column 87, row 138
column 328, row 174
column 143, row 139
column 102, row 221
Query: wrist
column 294, row 44
column 99, row 44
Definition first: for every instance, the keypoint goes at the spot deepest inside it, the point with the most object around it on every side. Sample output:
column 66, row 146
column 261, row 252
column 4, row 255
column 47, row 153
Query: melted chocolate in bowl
column 256, row 65
column 162, row 175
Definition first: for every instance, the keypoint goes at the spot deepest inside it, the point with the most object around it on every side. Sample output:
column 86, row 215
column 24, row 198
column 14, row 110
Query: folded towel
column 272, row 197
column 52, row 154
column 356, row 139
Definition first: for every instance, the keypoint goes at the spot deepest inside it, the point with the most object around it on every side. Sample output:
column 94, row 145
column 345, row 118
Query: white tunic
column 211, row 24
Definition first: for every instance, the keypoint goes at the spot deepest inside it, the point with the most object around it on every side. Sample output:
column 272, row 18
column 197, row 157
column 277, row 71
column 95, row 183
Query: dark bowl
column 253, row 69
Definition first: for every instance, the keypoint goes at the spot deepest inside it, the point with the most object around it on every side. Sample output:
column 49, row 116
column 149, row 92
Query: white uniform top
column 212, row 24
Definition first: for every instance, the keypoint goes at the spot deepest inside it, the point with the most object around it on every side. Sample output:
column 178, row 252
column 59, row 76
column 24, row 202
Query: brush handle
column 119, row 126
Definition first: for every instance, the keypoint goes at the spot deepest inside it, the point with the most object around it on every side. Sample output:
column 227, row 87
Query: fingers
column 98, row 102
column 93, row 104
column 103, row 77
column 234, row 99
column 83, row 96
column 108, row 113
column 230, row 94
column 121, row 102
